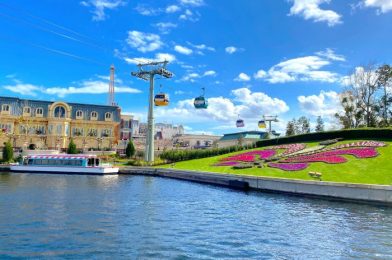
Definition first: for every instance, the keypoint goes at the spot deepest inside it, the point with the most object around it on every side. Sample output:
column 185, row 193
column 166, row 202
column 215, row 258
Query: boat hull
column 65, row 170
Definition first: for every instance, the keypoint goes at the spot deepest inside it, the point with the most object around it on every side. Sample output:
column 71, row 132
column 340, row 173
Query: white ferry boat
column 59, row 163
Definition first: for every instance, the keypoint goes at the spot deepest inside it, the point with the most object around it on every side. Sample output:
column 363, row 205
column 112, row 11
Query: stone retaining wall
column 346, row 191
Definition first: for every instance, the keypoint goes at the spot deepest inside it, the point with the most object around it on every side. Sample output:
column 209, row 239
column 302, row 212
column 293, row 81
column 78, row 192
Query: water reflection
column 76, row 216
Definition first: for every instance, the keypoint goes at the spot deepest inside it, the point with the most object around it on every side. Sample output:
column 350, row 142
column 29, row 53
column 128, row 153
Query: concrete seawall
column 381, row 194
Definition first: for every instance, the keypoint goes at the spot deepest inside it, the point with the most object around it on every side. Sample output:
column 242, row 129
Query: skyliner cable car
column 261, row 124
column 161, row 99
column 201, row 102
column 239, row 122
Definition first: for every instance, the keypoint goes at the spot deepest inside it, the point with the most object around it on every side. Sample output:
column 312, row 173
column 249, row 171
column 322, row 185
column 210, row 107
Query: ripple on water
column 140, row 217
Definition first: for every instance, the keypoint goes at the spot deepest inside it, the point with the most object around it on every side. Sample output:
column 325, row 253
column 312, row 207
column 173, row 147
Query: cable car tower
column 147, row 71
column 270, row 119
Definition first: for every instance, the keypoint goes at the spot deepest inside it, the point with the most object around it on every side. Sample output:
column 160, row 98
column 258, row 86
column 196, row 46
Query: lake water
column 79, row 217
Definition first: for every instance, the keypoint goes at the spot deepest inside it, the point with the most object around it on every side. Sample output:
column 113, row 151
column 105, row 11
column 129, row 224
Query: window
column 26, row 111
column 94, row 115
column 5, row 108
column 106, row 133
column 39, row 112
column 79, row 114
column 108, row 116
column 59, row 112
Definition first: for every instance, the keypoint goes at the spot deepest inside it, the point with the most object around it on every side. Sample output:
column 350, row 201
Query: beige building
column 51, row 125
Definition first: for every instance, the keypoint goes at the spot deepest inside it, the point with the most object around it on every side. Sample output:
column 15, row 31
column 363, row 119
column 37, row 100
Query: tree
column 290, row 128
column 8, row 152
column 364, row 84
column 353, row 115
column 130, row 150
column 384, row 73
column 72, row 147
column 320, row 125
column 303, row 125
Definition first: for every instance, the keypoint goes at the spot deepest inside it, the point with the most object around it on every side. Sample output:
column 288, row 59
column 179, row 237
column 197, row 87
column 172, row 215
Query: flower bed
column 289, row 166
column 250, row 156
column 290, row 148
column 297, row 157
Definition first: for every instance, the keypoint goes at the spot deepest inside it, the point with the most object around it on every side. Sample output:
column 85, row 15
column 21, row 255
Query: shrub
column 8, row 152
column 130, row 150
column 72, row 147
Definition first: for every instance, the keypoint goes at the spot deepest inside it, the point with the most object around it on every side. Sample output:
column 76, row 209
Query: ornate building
column 50, row 125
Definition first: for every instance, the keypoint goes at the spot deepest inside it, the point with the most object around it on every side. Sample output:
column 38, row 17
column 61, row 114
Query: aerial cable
column 48, row 30
column 60, row 52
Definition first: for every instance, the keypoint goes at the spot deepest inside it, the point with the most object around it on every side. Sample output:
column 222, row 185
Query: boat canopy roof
column 61, row 156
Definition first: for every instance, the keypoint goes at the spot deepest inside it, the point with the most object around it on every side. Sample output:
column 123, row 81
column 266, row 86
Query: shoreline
column 363, row 193
column 359, row 193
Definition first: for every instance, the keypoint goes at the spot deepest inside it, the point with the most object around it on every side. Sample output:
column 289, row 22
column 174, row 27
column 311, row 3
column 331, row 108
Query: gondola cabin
column 161, row 99
column 261, row 124
column 240, row 123
column 200, row 103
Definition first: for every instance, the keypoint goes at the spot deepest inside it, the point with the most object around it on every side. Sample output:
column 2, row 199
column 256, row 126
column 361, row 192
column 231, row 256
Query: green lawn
column 376, row 170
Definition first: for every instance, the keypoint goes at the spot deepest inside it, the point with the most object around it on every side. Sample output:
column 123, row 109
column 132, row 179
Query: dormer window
column 26, row 111
column 5, row 109
column 59, row 112
column 108, row 116
column 39, row 112
column 79, row 114
column 94, row 115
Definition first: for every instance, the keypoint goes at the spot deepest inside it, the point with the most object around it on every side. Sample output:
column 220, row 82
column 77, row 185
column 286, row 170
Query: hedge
column 364, row 133
column 184, row 155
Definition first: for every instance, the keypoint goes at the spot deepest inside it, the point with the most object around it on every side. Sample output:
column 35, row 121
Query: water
column 79, row 217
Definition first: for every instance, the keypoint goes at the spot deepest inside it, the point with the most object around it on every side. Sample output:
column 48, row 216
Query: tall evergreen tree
column 303, row 125
column 130, row 150
column 72, row 147
column 290, row 128
column 320, row 125
column 8, row 152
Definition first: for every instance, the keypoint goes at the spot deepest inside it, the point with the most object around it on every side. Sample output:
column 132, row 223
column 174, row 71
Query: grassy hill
column 375, row 170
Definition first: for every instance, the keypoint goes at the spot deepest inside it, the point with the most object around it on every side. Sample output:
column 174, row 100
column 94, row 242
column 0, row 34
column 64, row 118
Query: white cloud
column 146, row 10
column 330, row 54
column 230, row 49
column 310, row 10
column 165, row 27
column 24, row 89
column 84, row 87
column 183, row 50
column 250, row 106
column 158, row 57
column 307, row 68
column 201, row 47
column 209, row 73
column 88, row 87
column 327, row 103
column 172, row 9
column 383, row 6
column 192, row 2
column 188, row 15
column 193, row 75
column 260, row 74
column 99, row 7
column 242, row 77
column 144, row 42
column 179, row 92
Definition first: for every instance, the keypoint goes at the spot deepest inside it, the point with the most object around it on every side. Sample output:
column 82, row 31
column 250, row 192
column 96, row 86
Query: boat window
column 97, row 162
column 44, row 162
column 30, row 162
column 90, row 162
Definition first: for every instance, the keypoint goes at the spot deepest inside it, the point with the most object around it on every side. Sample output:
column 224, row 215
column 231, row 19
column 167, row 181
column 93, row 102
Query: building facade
column 51, row 125
column 241, row 138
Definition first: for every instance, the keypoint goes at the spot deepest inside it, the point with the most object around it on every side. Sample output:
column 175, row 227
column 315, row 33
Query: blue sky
column 254, row 57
